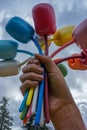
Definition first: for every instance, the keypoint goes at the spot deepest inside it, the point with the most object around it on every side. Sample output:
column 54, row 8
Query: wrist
column 68, row 118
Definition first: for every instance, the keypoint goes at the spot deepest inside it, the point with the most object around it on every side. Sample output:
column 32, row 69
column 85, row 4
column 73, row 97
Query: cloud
column 70, row 12
column 83, row 109
column 14, row 112
column 16, row 128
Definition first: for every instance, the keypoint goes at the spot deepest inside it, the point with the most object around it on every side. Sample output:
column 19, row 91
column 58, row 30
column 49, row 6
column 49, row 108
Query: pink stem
column 29, row 112
column 46, row 46
column 46, row 106
column 67, row 58
column 61, row 48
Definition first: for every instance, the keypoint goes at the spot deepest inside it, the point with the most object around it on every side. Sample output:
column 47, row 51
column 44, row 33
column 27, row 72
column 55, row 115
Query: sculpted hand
column 59, row 94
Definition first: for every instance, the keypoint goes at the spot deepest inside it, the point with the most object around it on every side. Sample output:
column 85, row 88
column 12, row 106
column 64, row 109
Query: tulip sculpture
column 35, row 101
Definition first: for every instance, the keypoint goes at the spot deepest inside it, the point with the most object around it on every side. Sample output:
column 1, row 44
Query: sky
column 68, row 12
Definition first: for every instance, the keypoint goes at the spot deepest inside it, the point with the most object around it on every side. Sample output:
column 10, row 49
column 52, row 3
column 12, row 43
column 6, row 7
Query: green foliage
column 5, row 118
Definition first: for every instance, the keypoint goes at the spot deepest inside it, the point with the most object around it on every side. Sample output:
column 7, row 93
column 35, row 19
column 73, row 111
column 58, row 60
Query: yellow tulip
column 62, row 35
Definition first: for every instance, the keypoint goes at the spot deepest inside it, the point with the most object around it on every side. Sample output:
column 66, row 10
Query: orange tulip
column 77, row 64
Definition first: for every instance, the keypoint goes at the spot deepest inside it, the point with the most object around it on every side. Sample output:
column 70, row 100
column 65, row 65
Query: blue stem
column 41, row 90
column 38, row 46
column 26, row 52
column 23, row 102
column 39, row 105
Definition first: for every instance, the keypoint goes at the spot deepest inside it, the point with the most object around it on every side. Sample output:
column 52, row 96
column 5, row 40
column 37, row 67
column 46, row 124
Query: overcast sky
column 68, row 12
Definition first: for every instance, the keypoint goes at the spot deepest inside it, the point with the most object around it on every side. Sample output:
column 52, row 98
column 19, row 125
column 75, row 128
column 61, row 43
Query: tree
column 5, row 118
column 30, row 126
column 29, row 123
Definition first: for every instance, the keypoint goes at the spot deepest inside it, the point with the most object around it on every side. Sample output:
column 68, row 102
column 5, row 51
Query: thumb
column 43, row 59
column 46, row 60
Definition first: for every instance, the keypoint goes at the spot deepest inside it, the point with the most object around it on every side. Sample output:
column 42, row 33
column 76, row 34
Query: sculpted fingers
column 33, row 61
column 30, row 80
column 27, row 84
column 33, row 68
column 31, row 76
